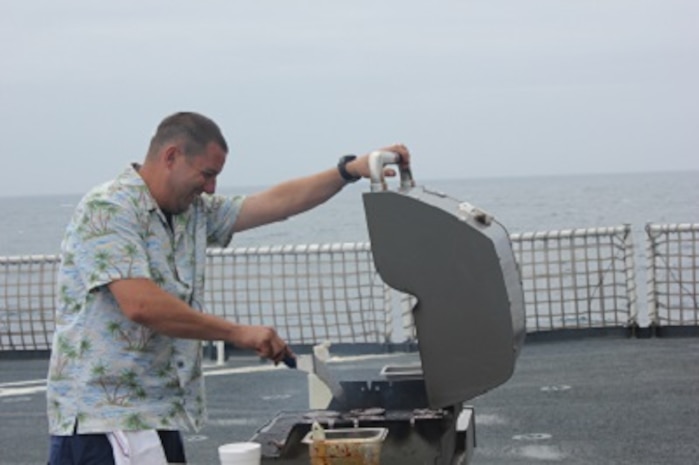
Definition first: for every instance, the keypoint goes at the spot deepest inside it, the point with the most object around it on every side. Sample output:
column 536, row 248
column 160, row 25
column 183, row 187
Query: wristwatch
column 342, row 168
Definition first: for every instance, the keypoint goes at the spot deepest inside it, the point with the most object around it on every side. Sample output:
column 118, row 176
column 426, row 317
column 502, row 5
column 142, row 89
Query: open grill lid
column 459, row 264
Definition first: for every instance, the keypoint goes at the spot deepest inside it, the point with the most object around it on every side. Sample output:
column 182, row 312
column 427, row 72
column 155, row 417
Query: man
column 125, row 372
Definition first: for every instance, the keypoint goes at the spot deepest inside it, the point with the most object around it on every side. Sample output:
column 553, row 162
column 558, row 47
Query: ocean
column 34, row 224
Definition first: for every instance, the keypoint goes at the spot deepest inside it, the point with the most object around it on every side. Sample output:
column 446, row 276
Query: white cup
column 240, row 453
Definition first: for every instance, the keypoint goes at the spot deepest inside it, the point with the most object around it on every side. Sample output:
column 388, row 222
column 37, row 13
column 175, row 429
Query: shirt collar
column 130, row 177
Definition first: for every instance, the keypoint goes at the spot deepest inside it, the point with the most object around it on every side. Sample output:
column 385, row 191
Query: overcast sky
column 475, row 88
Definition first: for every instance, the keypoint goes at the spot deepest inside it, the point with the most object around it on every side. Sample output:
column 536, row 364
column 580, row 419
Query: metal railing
column 673, row 274
column 572, row 279
column 580, row 278
column 310, row 293
column 27, row 301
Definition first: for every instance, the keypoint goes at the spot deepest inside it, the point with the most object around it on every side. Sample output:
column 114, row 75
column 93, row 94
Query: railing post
column 651, row 293
column 630, row 269
column 220, row 353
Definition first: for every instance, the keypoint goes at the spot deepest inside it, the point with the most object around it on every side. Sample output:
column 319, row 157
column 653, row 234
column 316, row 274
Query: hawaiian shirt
column 107, row 372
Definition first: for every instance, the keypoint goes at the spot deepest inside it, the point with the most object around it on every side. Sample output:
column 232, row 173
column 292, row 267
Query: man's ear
column 170, row 155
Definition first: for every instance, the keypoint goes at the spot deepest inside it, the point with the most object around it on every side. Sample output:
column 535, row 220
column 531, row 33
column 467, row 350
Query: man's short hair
column 192, row 130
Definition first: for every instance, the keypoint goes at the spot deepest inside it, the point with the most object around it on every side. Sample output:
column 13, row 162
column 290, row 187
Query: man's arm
column 298, row 195
column 143, row 302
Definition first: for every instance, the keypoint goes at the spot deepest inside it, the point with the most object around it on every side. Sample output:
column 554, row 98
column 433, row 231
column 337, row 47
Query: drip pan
column 347, row 446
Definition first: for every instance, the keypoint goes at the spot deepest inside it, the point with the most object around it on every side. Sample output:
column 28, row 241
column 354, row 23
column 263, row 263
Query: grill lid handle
column 378, row 160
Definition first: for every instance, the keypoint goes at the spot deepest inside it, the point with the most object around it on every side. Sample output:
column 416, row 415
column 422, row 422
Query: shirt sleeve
column 107, row 243
column 221, row 212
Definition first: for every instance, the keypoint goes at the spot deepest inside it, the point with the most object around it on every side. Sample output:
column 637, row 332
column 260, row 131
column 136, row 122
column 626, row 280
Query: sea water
column 34, row 224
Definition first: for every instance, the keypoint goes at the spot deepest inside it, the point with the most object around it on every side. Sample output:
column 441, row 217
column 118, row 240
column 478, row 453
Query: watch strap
column 342, row 168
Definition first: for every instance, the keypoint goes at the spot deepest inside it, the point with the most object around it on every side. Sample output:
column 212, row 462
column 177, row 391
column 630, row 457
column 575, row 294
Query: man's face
column 193, row 175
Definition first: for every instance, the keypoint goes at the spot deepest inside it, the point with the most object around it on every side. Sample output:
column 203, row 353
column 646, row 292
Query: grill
column 457, row 261
column 416, row 433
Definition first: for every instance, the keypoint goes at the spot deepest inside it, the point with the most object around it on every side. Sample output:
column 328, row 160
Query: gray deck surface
column 580, row 401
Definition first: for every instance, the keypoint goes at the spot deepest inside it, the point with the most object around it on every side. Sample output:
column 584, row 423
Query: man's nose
column 210, row 186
